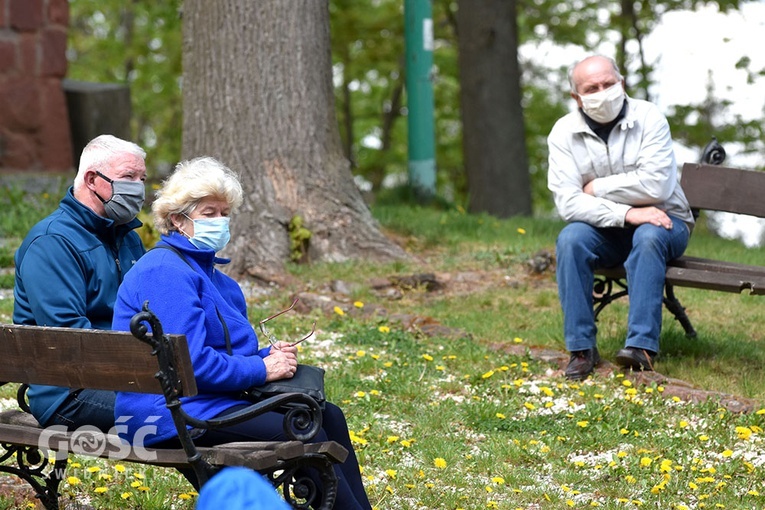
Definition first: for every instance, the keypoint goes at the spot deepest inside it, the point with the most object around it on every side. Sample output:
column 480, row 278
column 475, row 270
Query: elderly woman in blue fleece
column 187, row 293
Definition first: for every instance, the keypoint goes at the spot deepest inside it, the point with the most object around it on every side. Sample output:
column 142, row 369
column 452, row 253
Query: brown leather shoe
column 636, row 359
column 582, row 363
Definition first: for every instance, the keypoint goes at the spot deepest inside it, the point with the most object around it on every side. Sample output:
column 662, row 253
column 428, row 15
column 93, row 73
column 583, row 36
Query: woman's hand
column 280, row 364
column 283, row 347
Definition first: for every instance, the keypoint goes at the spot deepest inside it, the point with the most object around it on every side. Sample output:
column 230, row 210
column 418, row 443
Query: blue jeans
column 644, row 251
column 86, row 407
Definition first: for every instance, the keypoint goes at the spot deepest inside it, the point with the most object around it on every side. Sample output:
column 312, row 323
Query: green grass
column 454, row 421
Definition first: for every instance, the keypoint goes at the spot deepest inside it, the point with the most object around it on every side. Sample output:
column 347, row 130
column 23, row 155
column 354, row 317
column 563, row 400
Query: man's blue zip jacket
column 68, row 270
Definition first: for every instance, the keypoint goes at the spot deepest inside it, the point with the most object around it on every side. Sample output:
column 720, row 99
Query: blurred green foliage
column 140, row 43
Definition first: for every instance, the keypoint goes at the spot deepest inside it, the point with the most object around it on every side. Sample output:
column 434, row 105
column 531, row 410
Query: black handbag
column 308, row 379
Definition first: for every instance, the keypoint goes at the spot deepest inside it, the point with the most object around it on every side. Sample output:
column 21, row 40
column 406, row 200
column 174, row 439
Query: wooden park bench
column 147, row 362
column 714, row 188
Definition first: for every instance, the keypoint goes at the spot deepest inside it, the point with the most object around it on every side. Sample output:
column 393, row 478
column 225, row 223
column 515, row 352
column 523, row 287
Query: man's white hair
column 100, row 150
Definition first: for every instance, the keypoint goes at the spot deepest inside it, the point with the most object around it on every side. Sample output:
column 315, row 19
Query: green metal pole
column 419, row 92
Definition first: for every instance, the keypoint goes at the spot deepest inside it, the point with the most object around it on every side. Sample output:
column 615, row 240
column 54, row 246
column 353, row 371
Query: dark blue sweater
column 184, row 296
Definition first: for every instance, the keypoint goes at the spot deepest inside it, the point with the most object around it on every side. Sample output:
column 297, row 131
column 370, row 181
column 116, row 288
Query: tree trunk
column 257, row 94
column 492, row 116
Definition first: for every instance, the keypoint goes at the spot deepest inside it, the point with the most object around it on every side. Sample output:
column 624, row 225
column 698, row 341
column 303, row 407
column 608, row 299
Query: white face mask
column 604, row 106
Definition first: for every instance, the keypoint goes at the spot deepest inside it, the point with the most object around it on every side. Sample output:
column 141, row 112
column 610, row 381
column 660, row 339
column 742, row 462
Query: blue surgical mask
column 211, row 233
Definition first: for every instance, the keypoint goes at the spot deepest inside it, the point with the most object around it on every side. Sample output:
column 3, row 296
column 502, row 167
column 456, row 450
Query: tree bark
column 257, row 94
column 494, row 142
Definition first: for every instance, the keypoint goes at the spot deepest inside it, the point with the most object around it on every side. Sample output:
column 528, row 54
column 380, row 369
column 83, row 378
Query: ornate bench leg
column 678, row 310
column 30, row 466
column 299, row 489
column 603, row 292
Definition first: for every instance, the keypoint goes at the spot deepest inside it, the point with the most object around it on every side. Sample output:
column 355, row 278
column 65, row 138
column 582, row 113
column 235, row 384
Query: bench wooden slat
column 714, row 280
column 720, row 188
column 106, row 360
column 331, row 449
column 17, row 427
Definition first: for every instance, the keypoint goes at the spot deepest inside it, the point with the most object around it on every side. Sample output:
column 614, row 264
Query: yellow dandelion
column 529, row 406
column 139, row 476
column 361, row 353
column 727, row 453
column 100, row 490
column 406, row 443
column 427, row 357
column 521, row 230
column 627, row 383
column 646, row 461
column 357, row 439
column 135, row 484
column 73, row 480
column 119, row 468
column 500, row 416
column 743, row 432
column 392, row 439
column 358, row 304
column 583, row 423
column 143, row 488
column 183, row 495
column 488, row 374
column 624, row 431
column 360, row 394
column 93, row 469
column 74, row 465
column 518, row 340
column 498, row 480
column 439, row 463
column 383, row 329
column 391, row 473
column 338, row 311
column 125, row 495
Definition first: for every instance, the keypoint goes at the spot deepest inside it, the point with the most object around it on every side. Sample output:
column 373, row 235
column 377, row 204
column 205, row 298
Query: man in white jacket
column 613, row 176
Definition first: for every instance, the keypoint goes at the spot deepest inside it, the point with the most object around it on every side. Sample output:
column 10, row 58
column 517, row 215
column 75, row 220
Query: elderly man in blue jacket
column 70, row 264
column 613, row 176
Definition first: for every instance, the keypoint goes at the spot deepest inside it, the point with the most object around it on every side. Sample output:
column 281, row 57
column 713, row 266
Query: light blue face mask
column 211, row 233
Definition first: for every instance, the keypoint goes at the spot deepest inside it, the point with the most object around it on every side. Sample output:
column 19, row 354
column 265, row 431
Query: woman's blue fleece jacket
column 184, row 296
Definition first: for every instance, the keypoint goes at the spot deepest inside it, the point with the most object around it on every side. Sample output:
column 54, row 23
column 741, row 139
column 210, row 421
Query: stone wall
column 34, row 125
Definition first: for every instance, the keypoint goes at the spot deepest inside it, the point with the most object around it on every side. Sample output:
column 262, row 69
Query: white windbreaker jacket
column 636, row 168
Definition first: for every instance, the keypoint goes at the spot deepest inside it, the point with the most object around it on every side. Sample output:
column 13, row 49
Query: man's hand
column 588, row 188
column 652, row 215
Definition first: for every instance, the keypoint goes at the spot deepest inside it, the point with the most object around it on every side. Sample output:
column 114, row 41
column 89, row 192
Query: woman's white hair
column 100, row 150
column 190, row 182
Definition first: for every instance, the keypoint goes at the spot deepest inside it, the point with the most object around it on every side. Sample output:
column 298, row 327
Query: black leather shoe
column 636, row 359
column 582, row 363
